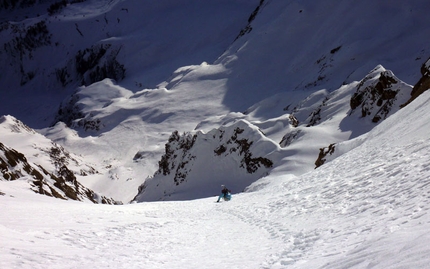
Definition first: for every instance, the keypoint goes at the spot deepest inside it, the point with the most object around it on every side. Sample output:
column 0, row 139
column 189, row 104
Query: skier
column 225, row 193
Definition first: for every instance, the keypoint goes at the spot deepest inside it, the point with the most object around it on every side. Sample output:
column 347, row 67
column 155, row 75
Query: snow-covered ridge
column 379, row 94
column 194, row 165
column 47, row 167
column 318, row 123
column 89, row 107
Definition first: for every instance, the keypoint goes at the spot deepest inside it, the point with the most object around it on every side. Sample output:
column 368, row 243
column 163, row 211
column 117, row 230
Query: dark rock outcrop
column 61, row 184
column 423, row 84
column 323, row 153
column 378, row 95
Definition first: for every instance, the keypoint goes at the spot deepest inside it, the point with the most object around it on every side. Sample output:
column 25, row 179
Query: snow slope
column 310, row 45
column 369, row 208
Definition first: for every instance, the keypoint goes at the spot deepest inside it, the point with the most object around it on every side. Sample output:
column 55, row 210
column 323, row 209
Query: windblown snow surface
column 368, row 208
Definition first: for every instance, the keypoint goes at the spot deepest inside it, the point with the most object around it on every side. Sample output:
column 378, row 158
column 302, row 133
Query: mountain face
column 49, row 170
column 51, row 47
column 239, row 153
column 254, row 87
column 355, row 108
column 63, row 184
column 377, row 96
column 312, row 46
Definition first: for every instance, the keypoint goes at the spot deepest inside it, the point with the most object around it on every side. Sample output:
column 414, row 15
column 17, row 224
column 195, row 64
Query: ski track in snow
column 374, row 200
column 352, row 208
column 135, row 236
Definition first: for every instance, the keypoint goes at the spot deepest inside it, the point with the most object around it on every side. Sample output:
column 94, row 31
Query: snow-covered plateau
column 120, row 120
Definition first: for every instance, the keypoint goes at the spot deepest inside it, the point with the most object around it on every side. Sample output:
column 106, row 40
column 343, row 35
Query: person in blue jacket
column 225, row 193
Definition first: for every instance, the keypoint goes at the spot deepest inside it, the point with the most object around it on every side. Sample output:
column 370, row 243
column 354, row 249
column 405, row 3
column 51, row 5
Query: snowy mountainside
column 193, row 166
column 306, row 84
column 307, row 127
column 310, row 45
column 47, row 167
column 360, row 208
column 367, row 209
column 140, row 43
column 375, row 95
column 301, row 127
column 87, row 108
column 291, row 73
column 378, row 93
